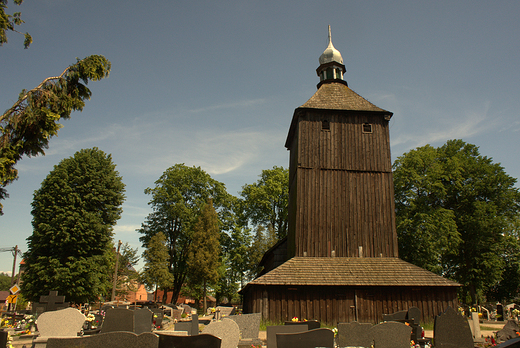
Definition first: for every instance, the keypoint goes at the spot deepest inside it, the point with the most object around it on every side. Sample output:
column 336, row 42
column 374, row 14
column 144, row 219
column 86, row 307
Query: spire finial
column 330, row 36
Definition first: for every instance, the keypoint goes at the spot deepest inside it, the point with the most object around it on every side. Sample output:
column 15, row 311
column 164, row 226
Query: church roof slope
column 350, row 271
column 338, row 96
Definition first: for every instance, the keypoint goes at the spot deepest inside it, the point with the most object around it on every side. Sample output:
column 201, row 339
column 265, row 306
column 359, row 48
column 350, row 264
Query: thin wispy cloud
column 238, row 104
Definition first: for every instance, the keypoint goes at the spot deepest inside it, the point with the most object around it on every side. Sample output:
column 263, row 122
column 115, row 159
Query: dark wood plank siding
column 344, row 212
column 332, row 305
column 341, row 186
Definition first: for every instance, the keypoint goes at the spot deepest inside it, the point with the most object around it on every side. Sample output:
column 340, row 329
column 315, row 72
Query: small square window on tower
column 325, row 125
column 367, row 128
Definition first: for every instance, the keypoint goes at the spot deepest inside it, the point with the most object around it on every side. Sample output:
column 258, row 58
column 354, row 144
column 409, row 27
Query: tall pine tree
column 204, row 251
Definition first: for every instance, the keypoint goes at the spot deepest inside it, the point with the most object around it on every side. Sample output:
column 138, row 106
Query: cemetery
column 332, row 282
column 52, row 324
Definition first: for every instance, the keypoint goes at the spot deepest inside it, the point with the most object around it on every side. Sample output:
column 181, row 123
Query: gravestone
column 225, row 311
column 500, row 312
column 158, row 315
column 227, row 330
column 143, row 320
column 186, row 308
column 118, row 319
column 120, row 339
column 415, row 314
column 508, row 331
column 452, row 330
column 176, row 313
column 401, row 315
column 3, row 338
column 192, row 326
column 513, row 343
column 249, row 326
column 60, row 323
column 310, row 324
column 354, row 334
column 199, row 341
column 475, row 326
column 391, row 334
column 51, row 302
column 272, row 331
column 308, row 339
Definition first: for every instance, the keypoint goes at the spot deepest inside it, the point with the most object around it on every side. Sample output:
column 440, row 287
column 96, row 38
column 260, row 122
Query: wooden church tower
column 341, row 196
column 339, row 262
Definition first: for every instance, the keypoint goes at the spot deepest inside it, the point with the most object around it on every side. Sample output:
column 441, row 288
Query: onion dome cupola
column 331, row 67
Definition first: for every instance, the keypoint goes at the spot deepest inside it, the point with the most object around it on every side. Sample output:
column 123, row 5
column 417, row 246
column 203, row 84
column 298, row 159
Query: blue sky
column 215, row 83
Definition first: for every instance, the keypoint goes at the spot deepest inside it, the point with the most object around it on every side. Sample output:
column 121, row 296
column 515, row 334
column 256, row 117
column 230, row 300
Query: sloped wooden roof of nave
column 350, row 271
column 338, row 96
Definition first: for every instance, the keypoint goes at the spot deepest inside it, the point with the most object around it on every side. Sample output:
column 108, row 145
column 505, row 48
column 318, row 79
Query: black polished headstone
column 51, row 302
column 118, row 319
column 198, row 341
column 354, row 334
column 272, row 331
column 308, row 339
column 110, row 339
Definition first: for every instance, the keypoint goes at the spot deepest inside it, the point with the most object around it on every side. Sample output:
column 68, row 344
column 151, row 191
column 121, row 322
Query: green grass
column 265, row 323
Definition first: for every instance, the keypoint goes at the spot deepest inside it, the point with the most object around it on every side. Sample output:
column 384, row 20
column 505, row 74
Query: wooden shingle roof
column 350, row 271
column 337, row 96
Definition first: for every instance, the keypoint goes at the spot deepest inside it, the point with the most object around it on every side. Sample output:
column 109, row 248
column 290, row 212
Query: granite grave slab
column 66, row 322
column 308, row 339
column 198, row 341
column 143, row 320
column 451, row 330
column 272, row 331
column 354, row 334
column 119, row 339
column 391, row 334
column 118, row 319
column 227, row 330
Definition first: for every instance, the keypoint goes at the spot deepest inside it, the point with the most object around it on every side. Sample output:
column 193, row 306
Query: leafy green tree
column 9, row 22
column 177, row 200
column 263, row 240
column 452, row 212
column 156, row 271
column 204, row 251
column 266, row 201
column 127, row 276
column 74, row 213
column 28, row 125
column 5, row 282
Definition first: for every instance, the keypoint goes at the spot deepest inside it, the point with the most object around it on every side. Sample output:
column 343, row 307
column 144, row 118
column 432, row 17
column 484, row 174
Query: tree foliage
column 74, row 213
column 204, row 251
column 9, row 22
column 177, row 200
column 266, row 201
column 127, row 276
column 452, row 212
column 28, row 125
column 5, row 282
column 156, row 272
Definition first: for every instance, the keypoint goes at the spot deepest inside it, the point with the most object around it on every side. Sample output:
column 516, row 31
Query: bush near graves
column 454, row 212
column 74, row 212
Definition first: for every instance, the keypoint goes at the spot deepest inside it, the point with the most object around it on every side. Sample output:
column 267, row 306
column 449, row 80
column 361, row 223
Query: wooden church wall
column 342, row 182
column 332, row 305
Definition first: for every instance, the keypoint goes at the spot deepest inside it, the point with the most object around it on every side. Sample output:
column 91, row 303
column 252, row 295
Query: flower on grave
column 335, row 330
column 294, row 319
column 304, row 319
column 90, row 317
column 473, row 309
column 213, row 309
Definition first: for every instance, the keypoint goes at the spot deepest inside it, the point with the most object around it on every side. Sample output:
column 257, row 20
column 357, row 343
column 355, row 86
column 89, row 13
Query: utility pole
column 15, row 252
column 115, row 273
